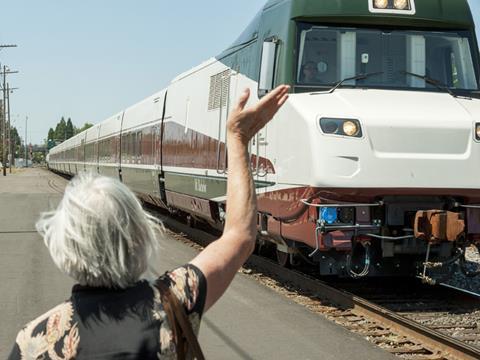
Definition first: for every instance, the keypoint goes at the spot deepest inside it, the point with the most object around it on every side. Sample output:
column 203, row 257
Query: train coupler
column 436, row 226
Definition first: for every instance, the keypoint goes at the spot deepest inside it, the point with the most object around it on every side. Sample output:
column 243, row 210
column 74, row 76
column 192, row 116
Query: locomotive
column 371, row 168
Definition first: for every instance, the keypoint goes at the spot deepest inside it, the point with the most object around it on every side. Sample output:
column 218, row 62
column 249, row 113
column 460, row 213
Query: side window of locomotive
column 317, row 57
column 449, row 60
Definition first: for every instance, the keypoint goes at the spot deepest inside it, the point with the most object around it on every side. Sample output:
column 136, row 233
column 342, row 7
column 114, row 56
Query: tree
column 16, row 144
column 38, row 157
column 16, row 140
column 61, row 130
column 64, row 130
column 83, row 128
column 69, row 129
column 51, row 134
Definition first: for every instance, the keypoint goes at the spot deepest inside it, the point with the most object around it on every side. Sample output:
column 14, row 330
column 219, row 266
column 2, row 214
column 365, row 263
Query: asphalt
column 249, row 322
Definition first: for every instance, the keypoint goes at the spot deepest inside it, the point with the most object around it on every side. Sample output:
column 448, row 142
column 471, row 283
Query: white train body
column 353, row 161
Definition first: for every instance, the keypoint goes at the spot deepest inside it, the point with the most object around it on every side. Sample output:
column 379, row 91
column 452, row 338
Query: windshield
column 328, row 55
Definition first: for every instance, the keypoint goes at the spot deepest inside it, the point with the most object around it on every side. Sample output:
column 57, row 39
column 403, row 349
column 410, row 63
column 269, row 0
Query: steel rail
column 431, row 339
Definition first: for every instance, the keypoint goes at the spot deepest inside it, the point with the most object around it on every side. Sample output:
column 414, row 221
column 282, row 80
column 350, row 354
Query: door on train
column 158, row 178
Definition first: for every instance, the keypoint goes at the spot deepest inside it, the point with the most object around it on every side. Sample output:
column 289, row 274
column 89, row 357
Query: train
column 370, row 169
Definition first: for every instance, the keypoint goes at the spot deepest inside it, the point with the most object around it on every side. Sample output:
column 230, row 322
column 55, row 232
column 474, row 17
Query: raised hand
column 243, row 123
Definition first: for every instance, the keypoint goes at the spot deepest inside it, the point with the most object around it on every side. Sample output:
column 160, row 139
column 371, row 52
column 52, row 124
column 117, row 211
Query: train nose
column 415, row 125
column 407, row 139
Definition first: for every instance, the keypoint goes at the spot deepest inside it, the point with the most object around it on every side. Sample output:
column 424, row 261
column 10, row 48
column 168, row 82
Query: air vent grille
column 219, row 86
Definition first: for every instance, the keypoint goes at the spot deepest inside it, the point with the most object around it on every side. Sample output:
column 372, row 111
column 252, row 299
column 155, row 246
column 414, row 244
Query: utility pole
column 9, row 131
column 4, row 115
column 26, row 151
column 4, row 118
column 11, row 147
column 4, row 111
column 9, row 134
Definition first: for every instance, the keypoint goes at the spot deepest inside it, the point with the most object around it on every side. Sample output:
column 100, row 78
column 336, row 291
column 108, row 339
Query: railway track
column 410, row 323
column 55, row 187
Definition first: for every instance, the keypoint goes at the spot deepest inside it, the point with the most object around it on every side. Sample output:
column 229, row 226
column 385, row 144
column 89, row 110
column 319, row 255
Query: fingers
column 273, row 102
column 275, row 95
column 282, row 100
column 242, row 101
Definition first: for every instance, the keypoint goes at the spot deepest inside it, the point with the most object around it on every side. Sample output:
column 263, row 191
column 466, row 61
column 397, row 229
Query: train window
column 138, row 153
column 127, row 148
column 147, row 146
column 113, row 149
column 131, row 147
column 328, row 55
column 124, row 147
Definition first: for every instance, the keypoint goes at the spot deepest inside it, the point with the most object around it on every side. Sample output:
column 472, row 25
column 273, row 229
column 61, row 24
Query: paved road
column 249, row 322
column 29, row 282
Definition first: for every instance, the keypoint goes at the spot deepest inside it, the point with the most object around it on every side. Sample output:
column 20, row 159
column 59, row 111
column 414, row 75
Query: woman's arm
column 221, row 260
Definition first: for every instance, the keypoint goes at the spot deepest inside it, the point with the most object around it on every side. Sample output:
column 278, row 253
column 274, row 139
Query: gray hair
column 99, row 234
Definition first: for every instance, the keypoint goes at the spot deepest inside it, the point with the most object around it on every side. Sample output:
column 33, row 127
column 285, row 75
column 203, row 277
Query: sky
column 90, row 59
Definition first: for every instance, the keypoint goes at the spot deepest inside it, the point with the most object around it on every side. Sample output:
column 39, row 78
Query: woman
column 100, row 236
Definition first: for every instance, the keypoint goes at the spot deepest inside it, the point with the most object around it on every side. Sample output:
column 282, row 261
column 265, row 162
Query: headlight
column 388, row 5
column 400, row 4
column 477, row 131
column 350, row 128
column 341, row 127
column 381, row 4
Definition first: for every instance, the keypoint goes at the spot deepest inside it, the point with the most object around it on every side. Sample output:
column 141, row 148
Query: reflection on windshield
column 328, row 55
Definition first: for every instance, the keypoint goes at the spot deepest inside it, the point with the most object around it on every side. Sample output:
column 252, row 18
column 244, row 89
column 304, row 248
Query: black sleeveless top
column 100, row 323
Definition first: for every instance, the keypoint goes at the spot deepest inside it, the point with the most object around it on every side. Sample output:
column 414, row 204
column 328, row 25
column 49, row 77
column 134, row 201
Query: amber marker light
column 477, row 131
column 400, row 4
column 350, row 128
column 381, row 4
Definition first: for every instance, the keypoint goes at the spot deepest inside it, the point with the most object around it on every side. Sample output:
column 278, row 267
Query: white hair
column 99, row 234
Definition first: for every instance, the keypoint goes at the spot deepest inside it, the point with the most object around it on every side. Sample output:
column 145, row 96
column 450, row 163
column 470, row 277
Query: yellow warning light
column 381, row 4
column 400, row 4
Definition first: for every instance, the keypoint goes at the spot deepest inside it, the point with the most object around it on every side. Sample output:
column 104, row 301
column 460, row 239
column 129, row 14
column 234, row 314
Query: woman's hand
column 243, row 123
column 220, row 260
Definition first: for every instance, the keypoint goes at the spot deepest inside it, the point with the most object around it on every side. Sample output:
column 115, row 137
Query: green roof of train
column 444, row 13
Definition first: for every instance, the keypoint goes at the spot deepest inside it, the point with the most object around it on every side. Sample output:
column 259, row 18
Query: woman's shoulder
column 41, row 335
column 189, row 285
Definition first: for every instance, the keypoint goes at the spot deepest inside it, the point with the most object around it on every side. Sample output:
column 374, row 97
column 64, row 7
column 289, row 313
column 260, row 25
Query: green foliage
column 64, row 130
column 83, row 128
column 61, row 130
column 16, row 143
column 38, row 157
column 51, row 134
column 70, row 131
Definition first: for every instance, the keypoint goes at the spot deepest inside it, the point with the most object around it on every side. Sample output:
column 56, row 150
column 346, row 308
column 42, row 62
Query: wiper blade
column 340, row 83
column 431, row 81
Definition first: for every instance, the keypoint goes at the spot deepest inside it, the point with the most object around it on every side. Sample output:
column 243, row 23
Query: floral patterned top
column 100, row 323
